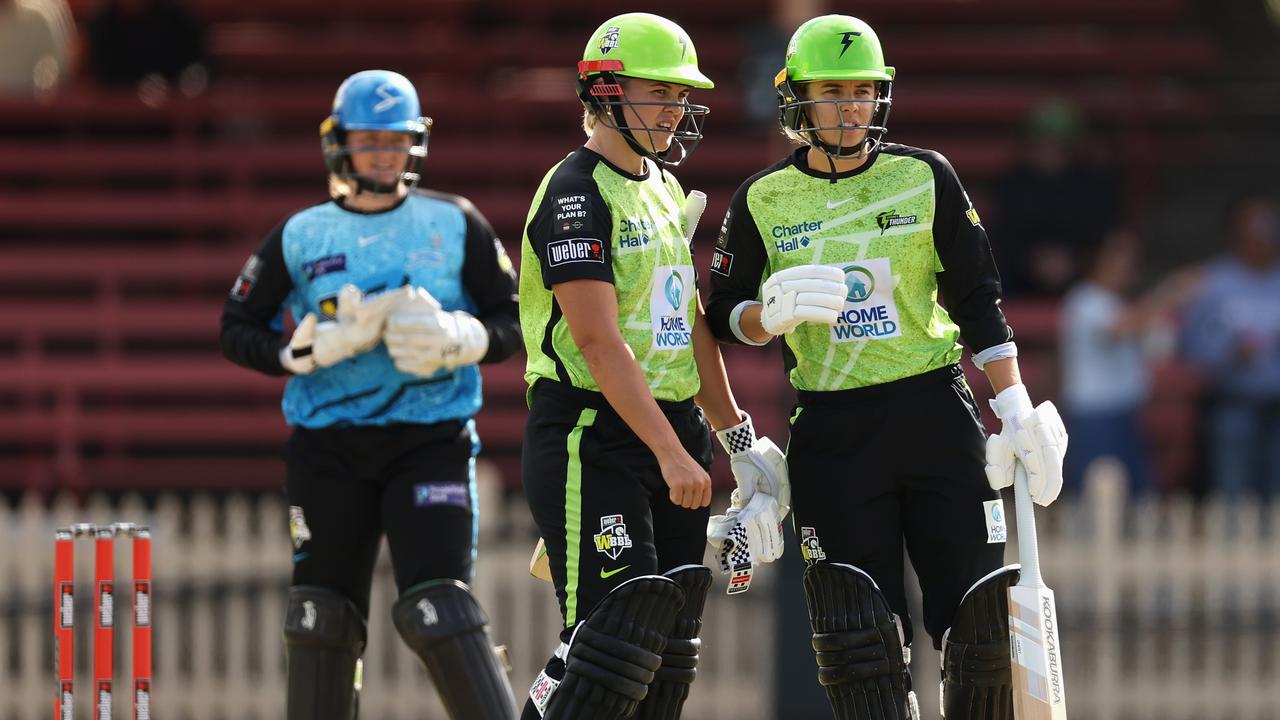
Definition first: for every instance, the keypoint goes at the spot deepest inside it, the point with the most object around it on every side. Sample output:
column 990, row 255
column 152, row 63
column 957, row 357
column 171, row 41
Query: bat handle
column 695, row 202
column 1028, row 547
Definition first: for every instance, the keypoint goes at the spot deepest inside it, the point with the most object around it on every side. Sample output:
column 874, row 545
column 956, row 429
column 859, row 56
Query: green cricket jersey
column 591, row 220
column 909, row 241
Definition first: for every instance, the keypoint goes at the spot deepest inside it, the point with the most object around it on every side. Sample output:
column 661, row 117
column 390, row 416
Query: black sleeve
column 969, row 282
column 248, row 337
column 737, row 265
column 572, row 228
column 489, row 278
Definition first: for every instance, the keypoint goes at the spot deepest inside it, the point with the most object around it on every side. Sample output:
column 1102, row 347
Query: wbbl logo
column 613, row 537
column 810, row 547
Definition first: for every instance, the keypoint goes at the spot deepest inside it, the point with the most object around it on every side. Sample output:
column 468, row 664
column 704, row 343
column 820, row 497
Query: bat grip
column 1028, row 547
column 695, row 202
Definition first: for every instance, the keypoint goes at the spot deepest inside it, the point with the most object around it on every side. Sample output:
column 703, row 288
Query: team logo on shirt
column 888, row 219
column 328, row 306
column 574, row 250
column 612, row 538
column 870, row 312
column 667, row 306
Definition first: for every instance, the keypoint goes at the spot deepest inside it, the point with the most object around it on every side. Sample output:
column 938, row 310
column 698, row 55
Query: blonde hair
column 340, row 187
column 590, row 117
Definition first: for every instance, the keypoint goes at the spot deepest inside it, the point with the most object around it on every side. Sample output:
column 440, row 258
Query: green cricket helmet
column 647, row 47
column 834, row 47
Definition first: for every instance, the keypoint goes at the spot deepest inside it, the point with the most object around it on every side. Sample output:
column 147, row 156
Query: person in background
column 1052, row 207
column 1232, row 334
column 398, row 294
column 148, row 44
column 1105, row 372
column 35, row 46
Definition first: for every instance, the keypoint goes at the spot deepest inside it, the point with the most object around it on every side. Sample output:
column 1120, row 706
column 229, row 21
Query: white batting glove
column 757, row 464
column 1035, row 437
column 746, row 536
column 423, row 339
column 805, row 293
column 356, row 328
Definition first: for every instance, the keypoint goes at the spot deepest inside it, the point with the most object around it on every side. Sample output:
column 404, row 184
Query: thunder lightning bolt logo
column 846, row 39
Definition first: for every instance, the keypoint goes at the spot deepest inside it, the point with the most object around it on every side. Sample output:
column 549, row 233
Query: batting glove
column 1035, row 437
column 805, row 293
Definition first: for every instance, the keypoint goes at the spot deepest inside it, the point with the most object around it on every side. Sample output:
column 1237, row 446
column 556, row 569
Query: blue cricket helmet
column 377, row 100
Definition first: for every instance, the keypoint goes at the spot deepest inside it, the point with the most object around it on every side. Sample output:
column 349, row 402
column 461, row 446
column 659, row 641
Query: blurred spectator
column 1105, row 370
column 1233, row 334
column 148, row 43
column 35, row 40
column 1054, row 205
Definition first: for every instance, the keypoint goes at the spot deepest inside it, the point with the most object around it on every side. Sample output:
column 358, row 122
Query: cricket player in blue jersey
column 398, row 293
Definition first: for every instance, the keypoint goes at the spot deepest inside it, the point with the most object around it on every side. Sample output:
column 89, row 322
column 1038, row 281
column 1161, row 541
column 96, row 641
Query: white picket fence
column 220, row 577
column 1169, row 613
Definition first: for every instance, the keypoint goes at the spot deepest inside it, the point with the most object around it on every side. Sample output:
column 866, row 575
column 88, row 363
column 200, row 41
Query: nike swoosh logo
column 605, row 575
column 838, row 203
column 367, row 240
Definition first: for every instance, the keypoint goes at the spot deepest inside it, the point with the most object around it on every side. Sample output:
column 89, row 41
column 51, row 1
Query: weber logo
column 575, row 250
column 722, row 262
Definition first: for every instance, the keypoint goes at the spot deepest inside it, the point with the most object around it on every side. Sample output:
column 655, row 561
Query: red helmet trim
column 590, row 66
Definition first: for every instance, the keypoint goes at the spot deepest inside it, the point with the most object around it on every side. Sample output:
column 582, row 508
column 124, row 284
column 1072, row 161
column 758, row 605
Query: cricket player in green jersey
column 870, row 262
column 624, row 376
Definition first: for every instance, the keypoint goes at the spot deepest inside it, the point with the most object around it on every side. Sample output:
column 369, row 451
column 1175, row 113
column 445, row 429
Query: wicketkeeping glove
column 805, row 293
column 423, row 338
column 356, row 328
column 1034, row 436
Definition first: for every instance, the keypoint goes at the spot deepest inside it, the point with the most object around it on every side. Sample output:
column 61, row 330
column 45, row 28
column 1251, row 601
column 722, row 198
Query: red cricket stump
column 64, row 632
column 104, row 556
column 142, row 625
column 103, row 618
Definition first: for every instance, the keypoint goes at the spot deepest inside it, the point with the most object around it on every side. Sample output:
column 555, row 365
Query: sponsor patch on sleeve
column 722, row 262
column 251, row 268
column 241, row 289
column 574, row 250
column 723, row 239
column 572, row 214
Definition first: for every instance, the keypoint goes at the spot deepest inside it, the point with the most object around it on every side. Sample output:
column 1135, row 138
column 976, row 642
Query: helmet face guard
column 794, row 115
column 337, row 157
column 602, row 93
column 835, row 48
column 375, row 101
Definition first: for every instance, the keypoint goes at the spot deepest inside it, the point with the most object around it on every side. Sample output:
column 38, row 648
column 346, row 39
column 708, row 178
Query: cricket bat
column 1039, row 689
column 540, row 564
